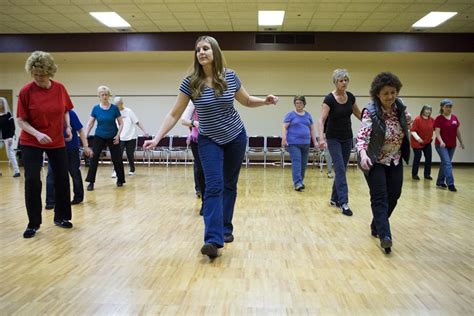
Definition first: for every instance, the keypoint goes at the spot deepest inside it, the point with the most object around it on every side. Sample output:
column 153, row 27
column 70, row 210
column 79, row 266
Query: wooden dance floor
column 136, row 249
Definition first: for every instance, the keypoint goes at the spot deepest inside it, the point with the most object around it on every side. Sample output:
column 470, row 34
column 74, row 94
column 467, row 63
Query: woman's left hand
column 68, row 134
column 116, row 140
column 271, row 99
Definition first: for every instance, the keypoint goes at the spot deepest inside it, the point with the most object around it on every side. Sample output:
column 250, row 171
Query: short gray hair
column 118, row 99
column 41, row 61
column 338, row 74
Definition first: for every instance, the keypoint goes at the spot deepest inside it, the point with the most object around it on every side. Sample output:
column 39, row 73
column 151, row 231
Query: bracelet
column 192, row 123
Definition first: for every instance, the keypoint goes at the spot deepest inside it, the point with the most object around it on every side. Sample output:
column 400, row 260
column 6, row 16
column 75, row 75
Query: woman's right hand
column 284, row 143
column 365, row 162
column 43, row 138
column 442, row 145
column 323, row 144
column 149, row 144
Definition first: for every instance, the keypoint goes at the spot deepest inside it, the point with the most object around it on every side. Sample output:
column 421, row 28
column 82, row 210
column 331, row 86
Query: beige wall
column 150, row 81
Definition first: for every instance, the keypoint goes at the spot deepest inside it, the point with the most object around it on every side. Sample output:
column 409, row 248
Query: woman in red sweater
column 420, row 139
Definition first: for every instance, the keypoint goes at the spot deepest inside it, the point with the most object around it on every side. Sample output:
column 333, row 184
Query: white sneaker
column 114, row 175
column 131, row 173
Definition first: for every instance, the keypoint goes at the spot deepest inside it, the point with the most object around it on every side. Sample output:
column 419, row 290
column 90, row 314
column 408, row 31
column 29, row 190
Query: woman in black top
column 7, row 131
column 337, row 108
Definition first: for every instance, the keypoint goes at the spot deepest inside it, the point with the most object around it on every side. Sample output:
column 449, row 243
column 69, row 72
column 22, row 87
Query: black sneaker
column 74, row 202
column 441, row 186
column 228, row 238
column 90, row 187
column 299, row 187
column 303, row 186
column 49, row 206
column 415, row 177
column 30, row 232
column 428, row 178
column 452, row 188
column 386, row 242
column 210, row 250
column 119, row 184
column 63, row 223
column 346, row 210
column 16, row 175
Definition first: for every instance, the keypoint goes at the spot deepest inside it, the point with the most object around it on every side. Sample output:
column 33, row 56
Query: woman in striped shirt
column 222, row 138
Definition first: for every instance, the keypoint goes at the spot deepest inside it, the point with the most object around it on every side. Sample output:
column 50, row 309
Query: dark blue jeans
column 33, row 162
column 221, row 165
column 426, row 150
column 340, row 151
column 299, row 161
column 385, row 184
column 74, row 163
column 445, row 174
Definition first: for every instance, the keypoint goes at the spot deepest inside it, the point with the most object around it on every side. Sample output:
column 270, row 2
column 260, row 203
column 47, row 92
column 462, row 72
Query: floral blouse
column 391, row 150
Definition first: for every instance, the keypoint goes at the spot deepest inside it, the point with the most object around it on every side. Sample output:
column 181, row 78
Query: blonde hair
column 42, row 62
column 197, row 78
column 104, row 88
column 339, row 74
column 6, row 109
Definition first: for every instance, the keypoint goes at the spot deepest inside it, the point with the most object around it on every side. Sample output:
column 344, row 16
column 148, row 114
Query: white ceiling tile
column 383, row 15
column 271, row 6
column 151, row 28
column 327, row 15
column 95, row 8
column 55, row 17
column 245, row 28
column 220, row 28
column 182, row 16
column 243, row 14
column 153, row 8
column 7, row 18
column 151, row 2
column 27, row 17
column 55, row 2
column 65, row 23
column 67, row 9
column 214, row 15
column 361, row 7
column 354, row 15
column 119, row 8
column 419, row 7
column 113, row 2
column 212, row 7
column 372, row 22
column 320, row 28
column 238, row 8
column 76, row 29
column 25, row 2
column 166, row 22
column 172, row 28
column 11, row 9
column 332, row 6
column 343, row 28
column 189, row 22
column 86, row 2
column 182, row 7
column 347, row 22
column 323, row 22
column 391, row 7
column 298, row 15
column 39, row 9
column 142, row 23
column 155, row 15
column 130, row 16
column 302, row 7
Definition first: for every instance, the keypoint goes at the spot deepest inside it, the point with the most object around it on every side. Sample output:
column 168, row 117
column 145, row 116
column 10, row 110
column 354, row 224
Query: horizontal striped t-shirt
column 218, row 118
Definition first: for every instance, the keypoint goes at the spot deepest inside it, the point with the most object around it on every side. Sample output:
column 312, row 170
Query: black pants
column 385, row 184
column 33, row 162
column 115, row 153
column 198, row 172
column 416, row 160
column 129, row 146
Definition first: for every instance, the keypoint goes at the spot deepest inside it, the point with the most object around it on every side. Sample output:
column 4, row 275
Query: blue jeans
column 299, row 161
column 385, row 184
column 221, row 165
column 74, row 163
column 445, row 174
column 340, row 151
column 426, row 150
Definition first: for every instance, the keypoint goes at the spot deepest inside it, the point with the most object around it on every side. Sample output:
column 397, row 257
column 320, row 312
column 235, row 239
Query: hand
column 196, row 124
column 116, row 139
column 420, row 141
column 284, row 143
column 271, row 99
column 68, row 133
column 149, row 144
column 88, row 152
column 442, row 145
column 365, row 162
column 462, row 146
column 43, row 138
column 322, row 144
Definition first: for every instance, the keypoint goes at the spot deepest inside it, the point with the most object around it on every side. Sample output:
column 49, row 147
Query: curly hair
column 42, row 62
column 197, row 78
column 384, row 79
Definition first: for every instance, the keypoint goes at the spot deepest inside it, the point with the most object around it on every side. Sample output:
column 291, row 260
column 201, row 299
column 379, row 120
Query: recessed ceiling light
column 270, row 17
column 434, row 19
column 111, row 19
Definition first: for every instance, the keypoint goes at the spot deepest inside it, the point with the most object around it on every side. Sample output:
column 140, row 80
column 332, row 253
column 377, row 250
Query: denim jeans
column 445, row 174
column 299, row 161
column 426, row 150
column 221, row 165
column 74, row 163
column 327, row 156
column 340, row 151
column 385, row 184
column 33, row 162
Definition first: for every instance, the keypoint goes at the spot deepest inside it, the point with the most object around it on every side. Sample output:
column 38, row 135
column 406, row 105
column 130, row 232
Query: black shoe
column 63, row 223
column 74, row 202
column 452, row 188
column 441, row 186
column 415, row 177
column 346, row 210
column 299, row 187
column 334, row 203
column 30, row 232
column 16, row 175
column 210, row 250
column 386, row 242
column 373, row 232
column 428, row 178
column 119, row 184
column 49, row 206
column 90, row 187
column 303, row 186
column 388, row 250
column 228, row 238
